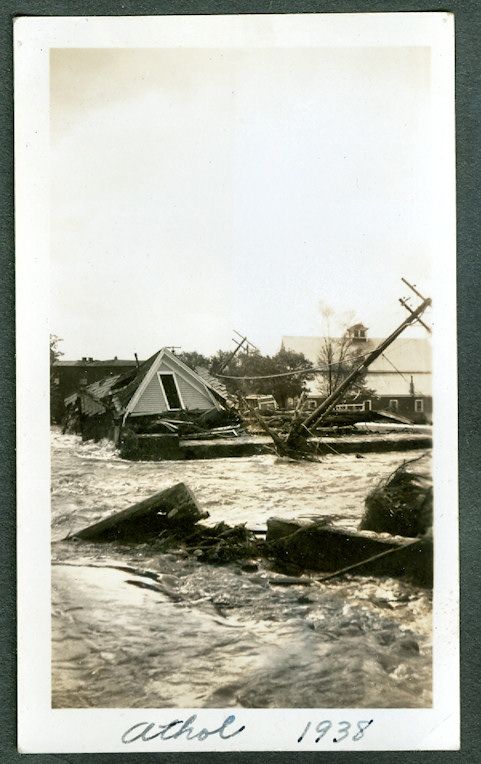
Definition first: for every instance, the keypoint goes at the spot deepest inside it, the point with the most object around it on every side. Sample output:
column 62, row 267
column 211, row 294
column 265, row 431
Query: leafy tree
column 222, row 357
column 265, row 370
column 293, row 385
column 193, row 359
column 55, row 352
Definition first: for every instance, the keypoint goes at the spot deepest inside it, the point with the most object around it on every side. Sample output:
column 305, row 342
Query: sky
column 194, row 192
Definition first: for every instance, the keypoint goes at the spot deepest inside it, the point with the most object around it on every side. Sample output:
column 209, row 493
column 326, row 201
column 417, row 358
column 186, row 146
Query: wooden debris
column 278, row 528
column 289, row 581
column 174, row 508
column 355, row 566
column 403, row 503
column 223, row 543
column 332, row 550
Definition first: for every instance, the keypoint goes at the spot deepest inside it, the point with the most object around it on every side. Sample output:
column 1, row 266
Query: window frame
column 161, row 374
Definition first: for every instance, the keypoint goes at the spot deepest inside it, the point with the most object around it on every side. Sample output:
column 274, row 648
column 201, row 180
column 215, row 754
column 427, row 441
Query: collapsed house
column 163, row 386
column 68, row 376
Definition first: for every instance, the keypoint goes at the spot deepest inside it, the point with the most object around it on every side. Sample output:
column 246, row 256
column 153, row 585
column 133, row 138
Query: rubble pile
column 402, row 504
column 223, row 543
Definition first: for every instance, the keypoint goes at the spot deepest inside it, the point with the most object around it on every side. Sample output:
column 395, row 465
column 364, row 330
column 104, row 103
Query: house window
column 393, row 404
column 419, row 405
column 367, row 405
column 171, row 391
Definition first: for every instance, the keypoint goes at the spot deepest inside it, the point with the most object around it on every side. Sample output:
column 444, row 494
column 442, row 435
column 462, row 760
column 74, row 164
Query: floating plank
column 172, row 508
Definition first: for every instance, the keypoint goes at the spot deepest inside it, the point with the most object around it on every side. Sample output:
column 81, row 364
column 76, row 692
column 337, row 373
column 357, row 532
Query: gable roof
column 404, row 355
column 123, row 391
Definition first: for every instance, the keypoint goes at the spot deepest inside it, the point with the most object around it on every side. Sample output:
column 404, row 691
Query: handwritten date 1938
column 341, row 730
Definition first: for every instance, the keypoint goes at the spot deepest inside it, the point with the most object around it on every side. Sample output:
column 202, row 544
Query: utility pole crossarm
column 413, row 288
column 241, row 342
column 419, row 320
column 301, row 428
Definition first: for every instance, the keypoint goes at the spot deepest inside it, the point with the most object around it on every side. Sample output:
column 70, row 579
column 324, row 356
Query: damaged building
column 161, row 387
column 68, row 376
column 399, row 381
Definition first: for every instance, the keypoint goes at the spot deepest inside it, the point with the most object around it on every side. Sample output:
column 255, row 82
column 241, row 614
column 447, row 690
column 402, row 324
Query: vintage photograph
column 241, row 396
column 243, row 404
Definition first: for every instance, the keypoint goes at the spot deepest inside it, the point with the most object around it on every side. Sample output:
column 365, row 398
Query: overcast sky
column 199, row 191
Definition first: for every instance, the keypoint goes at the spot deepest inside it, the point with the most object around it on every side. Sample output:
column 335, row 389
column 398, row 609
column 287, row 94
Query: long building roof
column 408, row 355
column 95, row 362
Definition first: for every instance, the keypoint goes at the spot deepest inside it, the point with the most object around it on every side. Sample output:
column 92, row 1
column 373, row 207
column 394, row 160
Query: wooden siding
column 152, row 400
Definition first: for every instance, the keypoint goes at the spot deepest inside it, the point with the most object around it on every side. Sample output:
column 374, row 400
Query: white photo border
column 42, row 729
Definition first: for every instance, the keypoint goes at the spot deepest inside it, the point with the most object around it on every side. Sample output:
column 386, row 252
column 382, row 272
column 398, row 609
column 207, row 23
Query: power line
column 272, row 376
column 401, row 374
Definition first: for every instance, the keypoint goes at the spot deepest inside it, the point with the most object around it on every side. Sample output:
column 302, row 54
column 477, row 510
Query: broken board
column 171, row 509
column 327, row 549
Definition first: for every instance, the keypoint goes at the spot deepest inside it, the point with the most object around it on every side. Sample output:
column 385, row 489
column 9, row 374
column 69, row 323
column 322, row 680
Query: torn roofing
column 128, row 382
column 119, row 387
column 212, row 383
column 116, row 391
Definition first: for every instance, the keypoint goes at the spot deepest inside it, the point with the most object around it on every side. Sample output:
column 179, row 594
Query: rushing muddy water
column 136, row 628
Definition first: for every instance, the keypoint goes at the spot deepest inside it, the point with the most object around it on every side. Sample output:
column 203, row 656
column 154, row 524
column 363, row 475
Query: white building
column 401, row 378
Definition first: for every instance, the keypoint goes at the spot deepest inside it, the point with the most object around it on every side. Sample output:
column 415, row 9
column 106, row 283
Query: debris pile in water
column 170, row 518
column 223, row 543
column 402, row 504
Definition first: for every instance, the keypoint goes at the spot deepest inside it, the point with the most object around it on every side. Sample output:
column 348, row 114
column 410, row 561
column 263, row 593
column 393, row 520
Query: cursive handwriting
column 145, row 731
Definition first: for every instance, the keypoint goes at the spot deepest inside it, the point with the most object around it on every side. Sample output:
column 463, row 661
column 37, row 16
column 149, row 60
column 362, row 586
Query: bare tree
column 339, row 354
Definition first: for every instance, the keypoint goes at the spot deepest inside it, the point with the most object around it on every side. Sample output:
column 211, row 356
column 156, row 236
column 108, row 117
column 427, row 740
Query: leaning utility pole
column 243, row 342
column 300, row 430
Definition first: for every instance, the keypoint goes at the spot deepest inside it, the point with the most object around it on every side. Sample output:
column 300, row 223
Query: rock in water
column 402, row 504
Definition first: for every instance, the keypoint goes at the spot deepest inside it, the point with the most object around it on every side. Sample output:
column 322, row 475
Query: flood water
column 133, row 627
